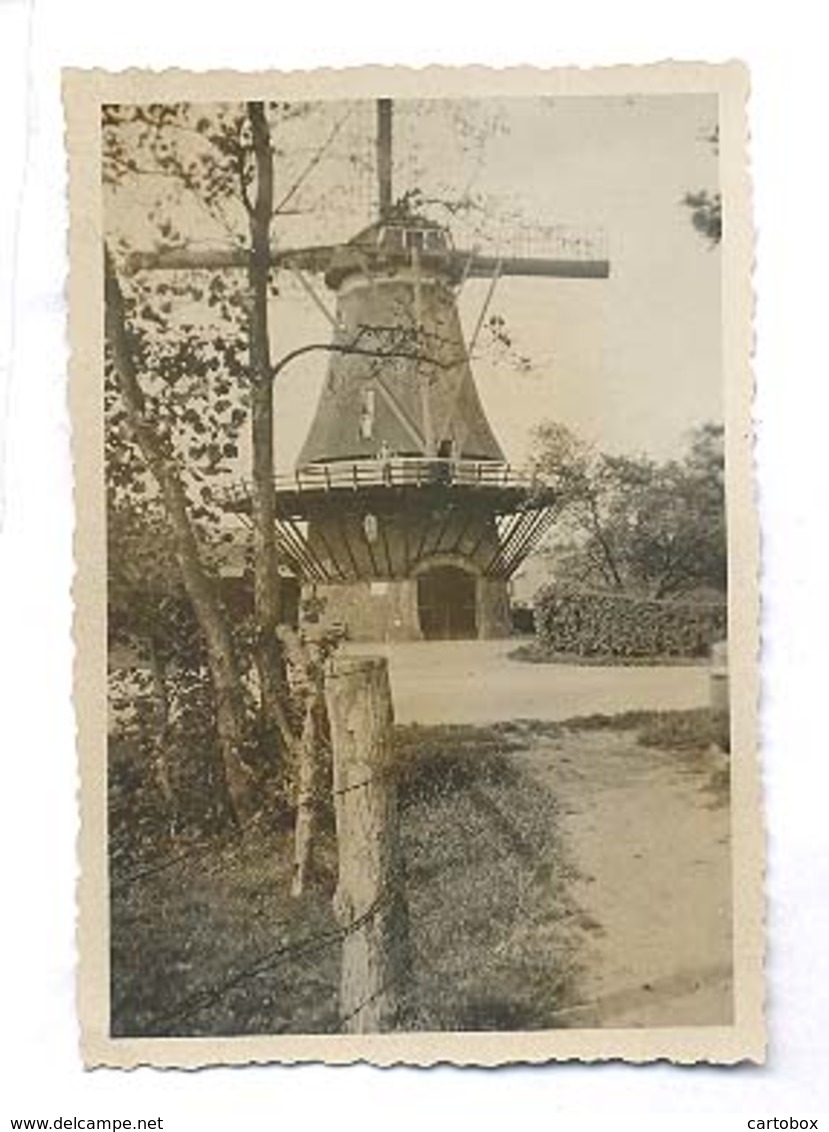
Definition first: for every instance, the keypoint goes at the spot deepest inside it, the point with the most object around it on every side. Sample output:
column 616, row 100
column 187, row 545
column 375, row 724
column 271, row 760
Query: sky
column 631, row 363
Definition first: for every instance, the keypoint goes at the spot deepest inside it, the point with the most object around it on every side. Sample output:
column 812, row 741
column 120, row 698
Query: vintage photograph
column 416, row 608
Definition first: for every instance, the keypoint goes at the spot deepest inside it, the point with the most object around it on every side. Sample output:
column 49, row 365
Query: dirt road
column 647, row 835
column 476, row 682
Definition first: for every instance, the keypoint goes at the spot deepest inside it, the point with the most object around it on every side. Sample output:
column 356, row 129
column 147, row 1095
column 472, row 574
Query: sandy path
column 476, row 682
column 650, row 849
column 648, row 846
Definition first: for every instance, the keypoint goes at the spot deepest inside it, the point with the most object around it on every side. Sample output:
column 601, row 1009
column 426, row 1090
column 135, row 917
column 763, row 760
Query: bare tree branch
column 362, row 351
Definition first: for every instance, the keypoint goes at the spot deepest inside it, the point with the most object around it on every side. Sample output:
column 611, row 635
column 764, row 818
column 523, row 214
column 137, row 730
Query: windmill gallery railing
column 407, row 471
column 484, row 508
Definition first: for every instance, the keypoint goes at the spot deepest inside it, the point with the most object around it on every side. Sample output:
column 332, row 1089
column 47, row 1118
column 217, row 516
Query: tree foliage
column 706, row 207
column 190, row 362
column 634, row 524
column 706, row 214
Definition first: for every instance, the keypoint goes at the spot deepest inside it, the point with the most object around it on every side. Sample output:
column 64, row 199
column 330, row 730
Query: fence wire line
column 391, row 774
column 388, row 985
column 203, row 847
column 207, row 996
column 367, row 1002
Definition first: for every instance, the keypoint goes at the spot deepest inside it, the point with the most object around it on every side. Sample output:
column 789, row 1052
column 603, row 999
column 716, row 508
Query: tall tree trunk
column 607, row 553
column 270, row 660
column 308, row 653
column 309, row 768
column 161, row 727
column 199, row 586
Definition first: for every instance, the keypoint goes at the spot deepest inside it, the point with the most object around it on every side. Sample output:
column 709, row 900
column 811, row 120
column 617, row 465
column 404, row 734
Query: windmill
column 403, row 513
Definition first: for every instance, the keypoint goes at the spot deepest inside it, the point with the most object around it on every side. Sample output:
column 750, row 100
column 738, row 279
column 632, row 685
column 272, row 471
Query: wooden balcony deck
column 306, row 488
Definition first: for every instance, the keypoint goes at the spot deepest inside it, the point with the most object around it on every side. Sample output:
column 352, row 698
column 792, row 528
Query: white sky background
column 632, row 362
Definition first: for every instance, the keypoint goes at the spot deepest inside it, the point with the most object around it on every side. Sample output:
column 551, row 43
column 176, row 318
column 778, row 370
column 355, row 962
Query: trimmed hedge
column 594, row 623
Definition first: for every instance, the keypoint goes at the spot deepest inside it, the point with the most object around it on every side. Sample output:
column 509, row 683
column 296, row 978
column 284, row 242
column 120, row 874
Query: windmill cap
column 391, row 243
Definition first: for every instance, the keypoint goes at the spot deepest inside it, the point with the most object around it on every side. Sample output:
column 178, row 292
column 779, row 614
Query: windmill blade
column 558, row 252
column 496, row 275
column 315, row 260
column 423, row 376
column 329, row 316
column 483, row 266
column 384, row 156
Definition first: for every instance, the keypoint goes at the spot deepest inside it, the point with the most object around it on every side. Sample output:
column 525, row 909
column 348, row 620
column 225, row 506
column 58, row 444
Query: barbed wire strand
column 203, row 847
column 208, row 996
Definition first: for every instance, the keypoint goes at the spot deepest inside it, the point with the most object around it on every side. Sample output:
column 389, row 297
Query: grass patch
column 213, row 944
column 685, row 731
column 209, row 942
column 534, row 652
column 695, row 729
column 495, row 935
column 438, row 761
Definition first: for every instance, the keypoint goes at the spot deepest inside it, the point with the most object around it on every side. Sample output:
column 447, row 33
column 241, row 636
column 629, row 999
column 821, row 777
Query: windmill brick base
column 394, row 610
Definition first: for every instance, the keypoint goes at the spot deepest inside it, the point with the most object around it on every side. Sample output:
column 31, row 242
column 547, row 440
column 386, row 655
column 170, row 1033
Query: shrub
column 595, row 623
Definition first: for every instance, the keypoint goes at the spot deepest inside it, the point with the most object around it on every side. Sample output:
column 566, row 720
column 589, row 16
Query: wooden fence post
column 369, row 903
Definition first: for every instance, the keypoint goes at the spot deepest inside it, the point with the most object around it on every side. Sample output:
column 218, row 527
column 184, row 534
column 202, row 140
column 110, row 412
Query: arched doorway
column 446, row 604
